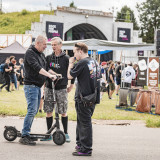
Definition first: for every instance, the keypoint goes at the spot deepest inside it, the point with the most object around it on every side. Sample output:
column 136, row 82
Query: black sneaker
column 78, row 153
column 77, row 148
column 27, row 141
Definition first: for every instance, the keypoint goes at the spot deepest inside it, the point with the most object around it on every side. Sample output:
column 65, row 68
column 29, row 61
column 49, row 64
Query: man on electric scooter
column 58, row 61
column 35, row 76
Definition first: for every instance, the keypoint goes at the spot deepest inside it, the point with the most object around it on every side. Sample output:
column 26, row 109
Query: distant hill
column 19, row 22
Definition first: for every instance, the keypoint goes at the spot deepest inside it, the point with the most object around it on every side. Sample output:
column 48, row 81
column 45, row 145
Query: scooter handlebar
column 59, row 76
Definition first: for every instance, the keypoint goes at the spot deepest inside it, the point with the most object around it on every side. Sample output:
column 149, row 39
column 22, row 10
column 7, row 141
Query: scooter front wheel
column 59, row 137
column 10, row 133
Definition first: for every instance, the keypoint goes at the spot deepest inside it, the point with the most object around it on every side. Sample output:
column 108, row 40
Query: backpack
column 2, row 68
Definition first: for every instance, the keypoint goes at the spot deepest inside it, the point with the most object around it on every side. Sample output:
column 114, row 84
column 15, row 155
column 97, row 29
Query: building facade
column 75, row 24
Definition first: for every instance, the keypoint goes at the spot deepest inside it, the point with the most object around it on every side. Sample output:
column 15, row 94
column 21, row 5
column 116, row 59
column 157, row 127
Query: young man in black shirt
column 7, row 70
column 85, row 71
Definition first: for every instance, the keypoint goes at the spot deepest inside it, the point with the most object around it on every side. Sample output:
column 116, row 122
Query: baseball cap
column 103, row 63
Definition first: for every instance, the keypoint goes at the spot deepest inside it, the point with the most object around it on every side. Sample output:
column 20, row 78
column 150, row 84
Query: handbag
column 90, row 99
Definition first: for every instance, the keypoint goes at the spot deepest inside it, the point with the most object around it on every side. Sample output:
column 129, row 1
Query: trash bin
column 157, row 102
column 144, row 101
column 123, row 92
column 133, row 95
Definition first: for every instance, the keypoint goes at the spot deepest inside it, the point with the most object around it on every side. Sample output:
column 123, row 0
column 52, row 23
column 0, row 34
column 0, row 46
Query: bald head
column 40, row 43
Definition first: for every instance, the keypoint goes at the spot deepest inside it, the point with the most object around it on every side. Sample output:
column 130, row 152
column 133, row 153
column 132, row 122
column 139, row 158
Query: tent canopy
column 100, row 52
column 15, row 49
column 96, row 44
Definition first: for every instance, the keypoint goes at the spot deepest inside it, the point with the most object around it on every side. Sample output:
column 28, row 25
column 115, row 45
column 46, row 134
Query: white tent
column 96, row 44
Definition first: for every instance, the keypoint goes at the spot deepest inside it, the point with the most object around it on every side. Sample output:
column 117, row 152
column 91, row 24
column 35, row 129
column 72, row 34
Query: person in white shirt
column 128, row 74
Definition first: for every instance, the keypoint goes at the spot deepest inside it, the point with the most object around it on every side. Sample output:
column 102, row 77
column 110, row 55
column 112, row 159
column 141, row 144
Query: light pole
column 113, row 9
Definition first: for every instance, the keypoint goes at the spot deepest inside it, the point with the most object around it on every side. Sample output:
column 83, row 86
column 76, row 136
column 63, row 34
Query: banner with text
column 153, row 71
column 142, row 71
column 54, row 29
column 124, row 35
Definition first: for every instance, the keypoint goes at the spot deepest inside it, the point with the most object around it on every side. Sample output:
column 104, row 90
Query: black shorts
column 118, row 80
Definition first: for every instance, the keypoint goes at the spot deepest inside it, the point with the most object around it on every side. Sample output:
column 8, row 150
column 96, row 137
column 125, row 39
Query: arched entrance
column 84, row 31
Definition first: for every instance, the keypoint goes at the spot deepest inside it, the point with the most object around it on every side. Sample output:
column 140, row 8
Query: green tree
column 127, row 15
column 149, row 12
column 72, row 5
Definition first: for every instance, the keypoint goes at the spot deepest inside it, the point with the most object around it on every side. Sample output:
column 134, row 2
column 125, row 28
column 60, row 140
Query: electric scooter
column 11, row 133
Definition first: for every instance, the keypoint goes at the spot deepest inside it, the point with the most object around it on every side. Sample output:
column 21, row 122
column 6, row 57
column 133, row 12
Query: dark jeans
column 7, row 82
column 84, row 126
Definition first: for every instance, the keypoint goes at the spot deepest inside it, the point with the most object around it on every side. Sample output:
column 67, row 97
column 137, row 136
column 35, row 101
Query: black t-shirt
column 11, row 65
column 21, row 68
column 59, row 65
column 6, row 66
column 110, row 73
column 118, row 73
column 85, row 71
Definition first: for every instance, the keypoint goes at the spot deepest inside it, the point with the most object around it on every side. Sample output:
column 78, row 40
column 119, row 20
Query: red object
column 103, row 63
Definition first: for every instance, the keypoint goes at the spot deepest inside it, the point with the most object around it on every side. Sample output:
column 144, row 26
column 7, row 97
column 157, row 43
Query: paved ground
column 111, row 142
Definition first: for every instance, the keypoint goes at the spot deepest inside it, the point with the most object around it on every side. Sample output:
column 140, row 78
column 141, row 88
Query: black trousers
column 84, row 126
column 7, row 82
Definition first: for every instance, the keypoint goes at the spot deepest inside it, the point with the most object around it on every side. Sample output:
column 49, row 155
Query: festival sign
column 142, row 71
column 124, row 35
column 54, row 29
column 153, row 71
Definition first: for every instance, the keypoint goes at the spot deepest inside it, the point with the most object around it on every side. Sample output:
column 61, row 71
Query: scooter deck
column 36, row 134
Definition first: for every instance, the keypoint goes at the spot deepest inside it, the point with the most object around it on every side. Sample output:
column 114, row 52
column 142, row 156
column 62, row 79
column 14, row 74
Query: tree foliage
column 149, row 14
column 72, row 5
column 127, row 15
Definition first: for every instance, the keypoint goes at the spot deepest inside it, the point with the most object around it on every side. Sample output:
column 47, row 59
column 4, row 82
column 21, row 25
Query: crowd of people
column 13, row 74
column 116, row 75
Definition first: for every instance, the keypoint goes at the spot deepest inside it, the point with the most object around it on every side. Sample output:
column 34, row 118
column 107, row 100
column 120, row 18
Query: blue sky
column 101, row 5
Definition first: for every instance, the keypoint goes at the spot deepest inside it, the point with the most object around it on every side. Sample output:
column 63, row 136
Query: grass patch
column 153, row 123
column 14, row 104
column 19, row 22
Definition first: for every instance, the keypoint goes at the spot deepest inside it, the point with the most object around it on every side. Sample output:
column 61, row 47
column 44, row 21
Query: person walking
column 128, row 75
column 103, row 81
column 118, row 77
column 58, row 62
column 111, row 79
column 35, row 76
column 20, row 76
column 12, row 74
column 85, row 70
column 7, row 70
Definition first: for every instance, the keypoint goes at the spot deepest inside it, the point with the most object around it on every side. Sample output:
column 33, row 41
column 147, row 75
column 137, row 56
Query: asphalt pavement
column 110, row 142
